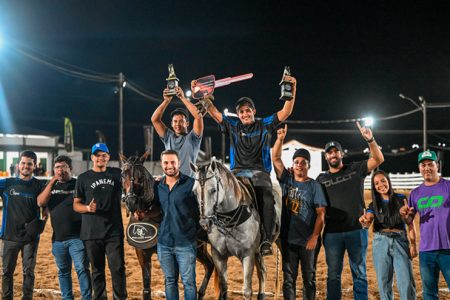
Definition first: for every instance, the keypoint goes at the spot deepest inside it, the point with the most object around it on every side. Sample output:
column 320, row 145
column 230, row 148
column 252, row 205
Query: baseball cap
column 99, row 147
column 302, row 153
column 427, row 154
column 245, row 101
column 333, row 144
column 179, row 111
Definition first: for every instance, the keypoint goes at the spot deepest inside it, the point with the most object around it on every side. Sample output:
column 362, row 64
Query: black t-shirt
column 105, row 187
column 250, row 144
column 66, row 222
column 345, row 195
column 387, row 213
column 19, row 207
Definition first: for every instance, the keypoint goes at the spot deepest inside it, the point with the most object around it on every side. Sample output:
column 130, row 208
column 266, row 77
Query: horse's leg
column 248, row 264
column 145, row 260
column 261, row 271
column 206, row 260
column 221, row 269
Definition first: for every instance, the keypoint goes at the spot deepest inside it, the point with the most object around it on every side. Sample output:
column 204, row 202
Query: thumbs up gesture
column 92, row 207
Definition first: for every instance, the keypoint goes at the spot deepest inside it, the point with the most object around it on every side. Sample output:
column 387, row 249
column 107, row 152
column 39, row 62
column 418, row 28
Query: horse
column 229, row 216
column 145, row 217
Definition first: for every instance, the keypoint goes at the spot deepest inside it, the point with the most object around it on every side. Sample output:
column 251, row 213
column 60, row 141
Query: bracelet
column 371, row 140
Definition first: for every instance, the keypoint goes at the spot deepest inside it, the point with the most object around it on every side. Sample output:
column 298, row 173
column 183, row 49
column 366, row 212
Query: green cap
column 427, row 154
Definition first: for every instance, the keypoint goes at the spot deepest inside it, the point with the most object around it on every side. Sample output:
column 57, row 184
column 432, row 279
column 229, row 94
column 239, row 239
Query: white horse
column 228, row 214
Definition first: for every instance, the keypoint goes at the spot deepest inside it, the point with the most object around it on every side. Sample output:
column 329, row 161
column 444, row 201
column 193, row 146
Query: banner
column 68, row 135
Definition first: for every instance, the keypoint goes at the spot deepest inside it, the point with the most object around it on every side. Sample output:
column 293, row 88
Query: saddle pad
column 142, row 235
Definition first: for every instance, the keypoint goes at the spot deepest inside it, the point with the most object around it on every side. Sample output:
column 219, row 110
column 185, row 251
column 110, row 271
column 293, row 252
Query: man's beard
column 336, row 164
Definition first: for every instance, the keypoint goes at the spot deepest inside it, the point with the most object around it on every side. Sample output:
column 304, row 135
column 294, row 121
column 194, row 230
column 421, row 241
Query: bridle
column 131, row 196
column 225, row 222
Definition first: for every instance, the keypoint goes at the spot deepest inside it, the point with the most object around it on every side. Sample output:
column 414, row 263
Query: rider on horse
column 250, row 153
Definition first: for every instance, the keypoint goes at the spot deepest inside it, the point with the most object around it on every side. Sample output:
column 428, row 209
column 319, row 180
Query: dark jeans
column 291, row 255
column 355, row 243
column 264, row 195
column 11, row 251
column 431, row 262
column 113, row 249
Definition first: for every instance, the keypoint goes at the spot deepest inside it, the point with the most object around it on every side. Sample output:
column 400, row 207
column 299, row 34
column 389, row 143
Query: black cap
column 333, row 144
column 302, row 153
column 245, row 101
column 179, row 111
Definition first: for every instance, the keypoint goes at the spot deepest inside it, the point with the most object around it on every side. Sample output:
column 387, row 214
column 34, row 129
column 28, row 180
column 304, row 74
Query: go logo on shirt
column 430, row 202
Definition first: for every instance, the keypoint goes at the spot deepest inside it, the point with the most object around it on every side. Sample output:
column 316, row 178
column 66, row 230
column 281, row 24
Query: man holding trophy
column 187, row 144
column 250, row 150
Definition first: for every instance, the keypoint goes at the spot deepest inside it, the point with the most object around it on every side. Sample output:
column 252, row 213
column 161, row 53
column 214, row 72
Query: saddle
column 248, row 192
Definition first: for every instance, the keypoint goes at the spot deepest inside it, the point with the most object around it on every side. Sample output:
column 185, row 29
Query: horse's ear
column 144, row 156
column 194, row 168
column 123, row 158
column 213, row 164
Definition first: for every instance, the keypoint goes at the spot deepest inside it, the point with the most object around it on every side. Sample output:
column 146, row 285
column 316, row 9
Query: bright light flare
column 368, row 121
column 188, row 93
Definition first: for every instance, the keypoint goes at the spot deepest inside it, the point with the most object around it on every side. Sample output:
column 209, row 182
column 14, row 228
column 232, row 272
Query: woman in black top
column 391, row 249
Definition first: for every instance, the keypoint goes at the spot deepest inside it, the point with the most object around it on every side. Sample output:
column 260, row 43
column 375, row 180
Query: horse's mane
column 231, row 180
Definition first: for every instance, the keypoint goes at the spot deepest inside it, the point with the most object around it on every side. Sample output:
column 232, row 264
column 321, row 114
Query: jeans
column 113, row 249
column 291, row 255
column 11, row 251
column 355, row 242
column 431, row 262
column 65, row 252
column 176, row 261
column 391, row 253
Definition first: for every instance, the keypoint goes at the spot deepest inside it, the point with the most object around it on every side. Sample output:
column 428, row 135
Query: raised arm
column 276, row 151
column 197, row 126
column 288, row 106
column 215, row 113
column 376, row 156
column 44, row 196
column 157, row 122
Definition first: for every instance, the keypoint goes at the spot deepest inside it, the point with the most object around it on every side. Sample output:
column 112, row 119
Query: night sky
column 351, row 59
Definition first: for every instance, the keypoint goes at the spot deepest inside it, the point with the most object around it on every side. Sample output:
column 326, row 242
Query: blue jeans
column 174, row 261
column 65, row 252
column 431, row 262
column 391, row 253
column 355, row 242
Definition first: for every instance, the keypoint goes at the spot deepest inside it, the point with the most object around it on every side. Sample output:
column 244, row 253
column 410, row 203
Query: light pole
column 423, row 105
column 121, row 86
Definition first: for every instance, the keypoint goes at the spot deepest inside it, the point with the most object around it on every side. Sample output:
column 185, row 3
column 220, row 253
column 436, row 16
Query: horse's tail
column 216, row 284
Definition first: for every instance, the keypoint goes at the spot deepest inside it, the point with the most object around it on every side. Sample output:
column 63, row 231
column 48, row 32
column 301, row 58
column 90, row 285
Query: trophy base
column 286, row 97
column 171, row 93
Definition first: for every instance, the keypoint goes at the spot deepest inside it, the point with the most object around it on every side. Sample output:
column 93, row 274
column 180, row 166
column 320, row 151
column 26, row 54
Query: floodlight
column 188, row 93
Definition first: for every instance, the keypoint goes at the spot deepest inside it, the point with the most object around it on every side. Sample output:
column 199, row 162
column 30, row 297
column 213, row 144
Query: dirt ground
column 46, row 284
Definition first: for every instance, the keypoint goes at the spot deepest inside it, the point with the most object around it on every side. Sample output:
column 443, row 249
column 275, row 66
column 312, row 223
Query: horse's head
column 137, row 183
column 209, row 190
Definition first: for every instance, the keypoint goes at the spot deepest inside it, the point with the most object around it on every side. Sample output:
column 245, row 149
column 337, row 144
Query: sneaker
column 266, row 248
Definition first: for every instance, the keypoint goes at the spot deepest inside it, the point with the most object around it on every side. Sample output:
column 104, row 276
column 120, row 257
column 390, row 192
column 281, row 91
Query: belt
column 392, row 234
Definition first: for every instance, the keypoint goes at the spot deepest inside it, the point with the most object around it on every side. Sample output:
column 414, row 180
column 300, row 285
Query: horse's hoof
column 261, row 296
column 146, row 295
column 224, row 296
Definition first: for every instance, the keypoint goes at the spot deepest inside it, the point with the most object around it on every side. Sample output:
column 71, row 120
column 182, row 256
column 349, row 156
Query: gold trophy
column 287, row 89
column 172, row 82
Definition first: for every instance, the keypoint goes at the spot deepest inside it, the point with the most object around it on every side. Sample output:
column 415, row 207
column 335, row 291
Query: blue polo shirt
column 180, row 213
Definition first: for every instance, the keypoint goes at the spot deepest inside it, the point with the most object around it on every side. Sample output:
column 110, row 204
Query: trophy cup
column 172, row 82
column 287, row 90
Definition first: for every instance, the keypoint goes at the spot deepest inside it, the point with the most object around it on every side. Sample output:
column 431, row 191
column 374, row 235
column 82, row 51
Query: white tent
column 316, row 157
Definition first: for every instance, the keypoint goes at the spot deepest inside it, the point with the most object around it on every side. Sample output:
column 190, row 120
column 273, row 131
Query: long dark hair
column 392, row 214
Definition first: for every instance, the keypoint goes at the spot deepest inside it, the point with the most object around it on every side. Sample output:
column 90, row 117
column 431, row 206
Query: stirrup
column 265, row 248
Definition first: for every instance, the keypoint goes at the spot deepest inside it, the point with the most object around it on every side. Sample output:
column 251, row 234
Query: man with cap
column 98, row 198
column 21, row 225
column 302, row 219
column 344, row 188
column 250, row 153
column 186, row 143
column 431, row 200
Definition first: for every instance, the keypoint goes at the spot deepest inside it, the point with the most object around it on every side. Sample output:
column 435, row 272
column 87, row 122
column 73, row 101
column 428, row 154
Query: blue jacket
column 180, row 213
